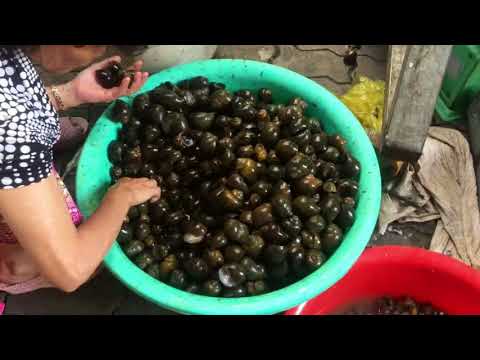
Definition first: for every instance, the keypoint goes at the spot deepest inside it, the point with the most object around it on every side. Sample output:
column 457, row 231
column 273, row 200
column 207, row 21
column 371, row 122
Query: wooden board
column 395, row 57
column 412, row 106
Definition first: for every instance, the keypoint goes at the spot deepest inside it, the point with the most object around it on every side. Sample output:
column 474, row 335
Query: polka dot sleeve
column 26, row 165
column 29, row 125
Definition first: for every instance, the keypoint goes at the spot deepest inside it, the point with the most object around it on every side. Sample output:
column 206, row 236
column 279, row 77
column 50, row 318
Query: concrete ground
column 105, row 295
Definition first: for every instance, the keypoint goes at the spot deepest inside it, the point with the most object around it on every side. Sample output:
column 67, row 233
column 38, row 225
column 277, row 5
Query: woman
column 40, row 246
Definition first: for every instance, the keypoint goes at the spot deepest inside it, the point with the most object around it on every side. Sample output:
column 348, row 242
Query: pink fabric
column 2, row 307
column 75, row 213
column 26, row 286
column 7, row 236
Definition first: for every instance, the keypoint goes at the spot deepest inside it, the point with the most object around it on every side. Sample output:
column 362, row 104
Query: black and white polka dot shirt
column 29, row 125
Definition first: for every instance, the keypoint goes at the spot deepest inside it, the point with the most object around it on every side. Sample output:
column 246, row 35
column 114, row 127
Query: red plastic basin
column 396, row 271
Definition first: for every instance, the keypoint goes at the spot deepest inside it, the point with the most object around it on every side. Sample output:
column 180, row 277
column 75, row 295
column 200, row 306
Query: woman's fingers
column 137, row 66
column 137, row 82
column 148, row 183
column 153, row 191
column 157, row 192
column 144, row 78
column 121, row 90
column 155, row 198
column 140, row 190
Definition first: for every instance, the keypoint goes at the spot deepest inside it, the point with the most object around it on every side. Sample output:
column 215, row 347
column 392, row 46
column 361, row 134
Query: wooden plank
column 395, row 56
column 414, row 99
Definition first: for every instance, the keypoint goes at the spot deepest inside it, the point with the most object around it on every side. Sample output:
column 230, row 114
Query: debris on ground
column 440, row 186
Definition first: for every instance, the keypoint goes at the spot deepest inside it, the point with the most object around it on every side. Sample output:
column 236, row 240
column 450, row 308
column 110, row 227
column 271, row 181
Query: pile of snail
column 393, row 306
column 255, row 194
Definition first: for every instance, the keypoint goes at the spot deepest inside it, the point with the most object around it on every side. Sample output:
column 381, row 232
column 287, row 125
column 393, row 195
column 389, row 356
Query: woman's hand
column 85, row 88
column 136, row 191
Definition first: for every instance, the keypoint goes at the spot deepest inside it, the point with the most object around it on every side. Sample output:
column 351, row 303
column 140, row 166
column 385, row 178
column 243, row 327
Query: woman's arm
column 67, row 256
column 85, row 89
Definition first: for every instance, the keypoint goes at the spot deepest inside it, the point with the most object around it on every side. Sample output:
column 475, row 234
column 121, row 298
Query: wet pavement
column 105, row 295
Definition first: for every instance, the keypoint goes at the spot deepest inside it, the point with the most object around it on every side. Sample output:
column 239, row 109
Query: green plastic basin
column 93, row 180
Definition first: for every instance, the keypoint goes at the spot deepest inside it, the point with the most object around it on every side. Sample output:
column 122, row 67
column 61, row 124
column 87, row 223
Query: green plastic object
column 93, row 179
column 461, row 83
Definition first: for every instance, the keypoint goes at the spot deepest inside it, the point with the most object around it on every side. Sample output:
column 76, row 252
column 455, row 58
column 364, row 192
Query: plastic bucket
column 93, row 180
column 397, row 271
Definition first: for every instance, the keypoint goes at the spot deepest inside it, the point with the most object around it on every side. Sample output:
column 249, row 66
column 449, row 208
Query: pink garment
column 2, row 307
column 7, row 236
column 75, row 213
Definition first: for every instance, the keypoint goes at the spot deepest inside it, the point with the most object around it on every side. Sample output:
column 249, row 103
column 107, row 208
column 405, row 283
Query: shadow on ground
column 104, row 295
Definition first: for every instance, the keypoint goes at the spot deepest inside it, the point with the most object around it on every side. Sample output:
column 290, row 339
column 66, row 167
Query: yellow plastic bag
column 366, row 101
